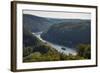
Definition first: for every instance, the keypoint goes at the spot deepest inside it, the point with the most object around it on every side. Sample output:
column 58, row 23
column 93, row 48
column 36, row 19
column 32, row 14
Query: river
column 65, row 50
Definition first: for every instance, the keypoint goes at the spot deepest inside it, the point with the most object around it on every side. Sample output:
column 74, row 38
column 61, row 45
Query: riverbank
column 59, row 48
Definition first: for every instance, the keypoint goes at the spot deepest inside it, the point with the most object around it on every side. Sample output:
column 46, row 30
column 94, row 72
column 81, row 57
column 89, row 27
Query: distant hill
column 35, row 23
column 65, row 32
column 69, row 33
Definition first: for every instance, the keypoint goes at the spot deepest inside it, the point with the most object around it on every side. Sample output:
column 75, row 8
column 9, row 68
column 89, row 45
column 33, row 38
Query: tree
column 27, row 51
column 84, row 50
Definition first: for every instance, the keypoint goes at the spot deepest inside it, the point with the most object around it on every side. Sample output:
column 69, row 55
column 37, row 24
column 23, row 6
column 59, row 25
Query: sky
column 59, row 14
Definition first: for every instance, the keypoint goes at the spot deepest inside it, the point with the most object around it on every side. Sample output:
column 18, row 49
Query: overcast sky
column 59, row 15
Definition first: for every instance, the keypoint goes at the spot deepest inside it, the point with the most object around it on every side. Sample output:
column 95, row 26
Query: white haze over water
column 59, row 14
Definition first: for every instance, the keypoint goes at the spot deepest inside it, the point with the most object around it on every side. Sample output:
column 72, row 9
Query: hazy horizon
column 59, row 15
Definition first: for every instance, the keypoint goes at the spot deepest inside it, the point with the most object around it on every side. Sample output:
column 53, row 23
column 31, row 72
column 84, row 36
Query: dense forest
column 73, row 33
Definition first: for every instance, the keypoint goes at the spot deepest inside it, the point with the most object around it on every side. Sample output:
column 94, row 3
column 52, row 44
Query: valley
column 66, row 50
column 52, row 39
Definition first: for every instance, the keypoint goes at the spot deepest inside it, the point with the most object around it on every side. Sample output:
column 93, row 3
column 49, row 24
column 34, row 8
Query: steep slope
column 35, row 23
column 29, row 39
column 38, row 24
column 35, row 50
column 70, row 33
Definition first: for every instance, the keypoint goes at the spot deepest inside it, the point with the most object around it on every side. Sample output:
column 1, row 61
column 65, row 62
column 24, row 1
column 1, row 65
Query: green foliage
column 47, row 53
column 42, row 53
column 27, row 51
column 84, row 50
column 35, row 50
column 70, row 57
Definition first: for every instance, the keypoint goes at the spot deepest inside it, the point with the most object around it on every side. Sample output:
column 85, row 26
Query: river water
column 66, row 50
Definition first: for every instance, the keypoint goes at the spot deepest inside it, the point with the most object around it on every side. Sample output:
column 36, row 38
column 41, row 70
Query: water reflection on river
column 59, row 48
